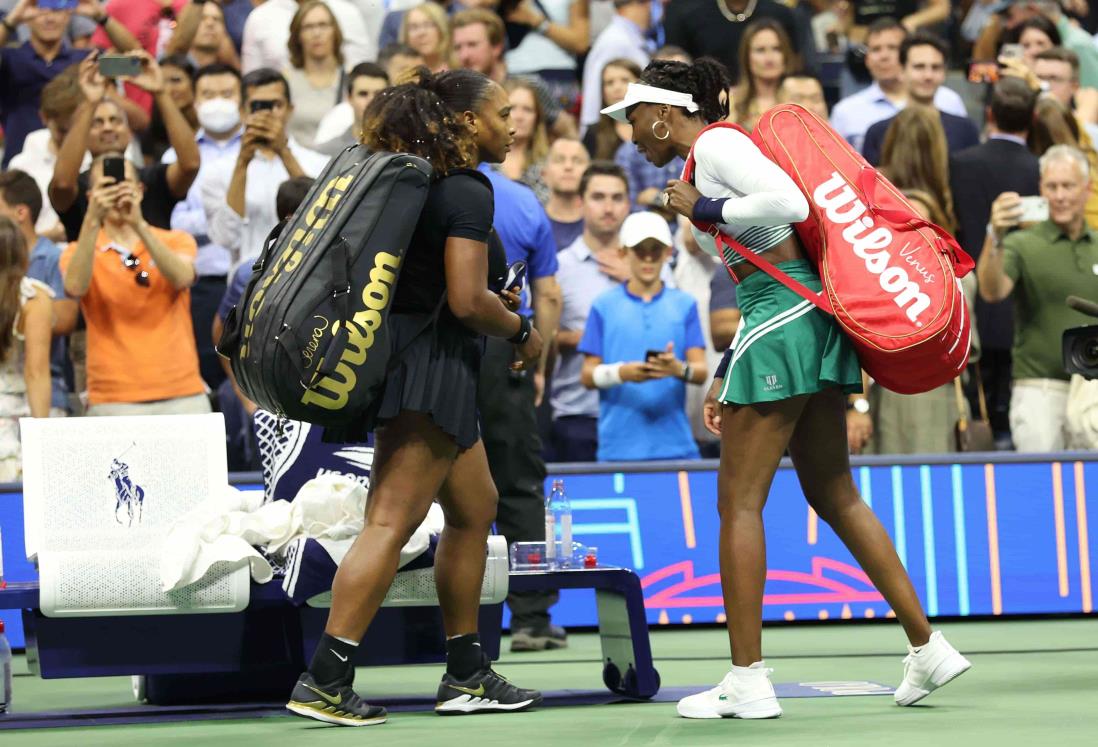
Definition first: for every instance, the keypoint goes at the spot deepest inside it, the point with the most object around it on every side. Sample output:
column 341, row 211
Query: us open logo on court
column 871, row 243
column 129, row 498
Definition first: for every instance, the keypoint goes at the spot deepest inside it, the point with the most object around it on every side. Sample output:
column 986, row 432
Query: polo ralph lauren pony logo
column 129, row 497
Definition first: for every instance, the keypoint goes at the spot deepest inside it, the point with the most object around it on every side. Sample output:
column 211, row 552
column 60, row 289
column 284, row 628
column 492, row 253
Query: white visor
column 638, row 93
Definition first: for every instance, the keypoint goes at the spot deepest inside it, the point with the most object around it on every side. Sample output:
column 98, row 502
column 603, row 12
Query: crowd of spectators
column 132, row 205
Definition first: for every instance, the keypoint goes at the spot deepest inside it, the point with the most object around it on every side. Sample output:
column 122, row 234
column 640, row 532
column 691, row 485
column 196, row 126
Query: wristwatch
column 543, row 27
column 861, row 405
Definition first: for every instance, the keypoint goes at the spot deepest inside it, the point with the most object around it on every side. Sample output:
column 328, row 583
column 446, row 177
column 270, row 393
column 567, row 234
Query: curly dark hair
column 422, row 118
column 707, row 80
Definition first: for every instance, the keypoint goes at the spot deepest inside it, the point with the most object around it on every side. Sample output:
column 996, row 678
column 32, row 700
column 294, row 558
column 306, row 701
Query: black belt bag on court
column 309, row 339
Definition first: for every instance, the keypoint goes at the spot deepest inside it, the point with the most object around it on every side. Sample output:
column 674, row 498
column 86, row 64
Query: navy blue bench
column 257, row 654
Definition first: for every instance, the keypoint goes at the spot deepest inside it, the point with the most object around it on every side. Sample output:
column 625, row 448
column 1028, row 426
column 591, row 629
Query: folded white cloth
column 228, row 527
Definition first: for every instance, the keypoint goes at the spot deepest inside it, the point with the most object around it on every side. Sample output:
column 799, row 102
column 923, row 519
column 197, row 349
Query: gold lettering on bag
column 316, row 217
column 333, row 392
column 314, row 342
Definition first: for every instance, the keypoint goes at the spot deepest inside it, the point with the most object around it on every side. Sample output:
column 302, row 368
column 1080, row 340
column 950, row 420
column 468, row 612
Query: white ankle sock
column 756, row 669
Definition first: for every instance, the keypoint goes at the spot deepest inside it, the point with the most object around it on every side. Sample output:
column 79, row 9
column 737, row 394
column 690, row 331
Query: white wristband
column 608, row 375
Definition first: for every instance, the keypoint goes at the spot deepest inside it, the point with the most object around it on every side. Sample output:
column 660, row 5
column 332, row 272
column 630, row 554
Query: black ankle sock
column 331, row 662
column 464, row 656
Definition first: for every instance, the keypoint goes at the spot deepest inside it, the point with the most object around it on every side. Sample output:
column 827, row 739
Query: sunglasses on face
column 132, row 263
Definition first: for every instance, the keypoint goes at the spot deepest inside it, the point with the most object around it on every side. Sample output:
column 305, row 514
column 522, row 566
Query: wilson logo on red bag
column 871, row 243
column 890, row 277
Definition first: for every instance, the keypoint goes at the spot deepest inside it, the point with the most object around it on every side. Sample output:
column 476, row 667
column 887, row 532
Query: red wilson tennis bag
column 889, row 276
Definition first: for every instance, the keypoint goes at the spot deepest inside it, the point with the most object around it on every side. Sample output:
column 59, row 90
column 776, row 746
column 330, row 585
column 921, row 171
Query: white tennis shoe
column 743, row 693
column 927, row 669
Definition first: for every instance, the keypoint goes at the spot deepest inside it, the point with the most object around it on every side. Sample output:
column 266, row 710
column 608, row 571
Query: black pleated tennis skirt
column 436, row 374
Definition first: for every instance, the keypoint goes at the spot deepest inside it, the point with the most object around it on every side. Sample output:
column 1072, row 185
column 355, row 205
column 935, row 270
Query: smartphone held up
column 114, row 167
column 990, row 71
column 119, row 65
column 1034, row 209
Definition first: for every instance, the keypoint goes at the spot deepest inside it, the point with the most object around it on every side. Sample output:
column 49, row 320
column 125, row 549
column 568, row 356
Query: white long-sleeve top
column 763, row 202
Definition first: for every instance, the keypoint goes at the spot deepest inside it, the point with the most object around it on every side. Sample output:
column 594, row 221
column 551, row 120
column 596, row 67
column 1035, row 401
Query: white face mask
column 218, row 116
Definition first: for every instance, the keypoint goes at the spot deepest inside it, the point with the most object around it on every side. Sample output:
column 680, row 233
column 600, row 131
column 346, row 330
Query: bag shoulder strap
column 819, row 300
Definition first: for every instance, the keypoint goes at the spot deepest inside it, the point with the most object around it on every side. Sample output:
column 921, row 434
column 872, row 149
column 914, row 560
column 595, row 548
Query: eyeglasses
column 132, row 263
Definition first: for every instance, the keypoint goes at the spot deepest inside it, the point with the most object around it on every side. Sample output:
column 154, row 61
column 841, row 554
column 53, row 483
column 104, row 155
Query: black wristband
column 523, row 334
column 709, row 210
column 722, row 367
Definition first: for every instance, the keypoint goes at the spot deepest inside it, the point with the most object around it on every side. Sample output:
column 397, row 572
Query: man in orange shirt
column 133, row 283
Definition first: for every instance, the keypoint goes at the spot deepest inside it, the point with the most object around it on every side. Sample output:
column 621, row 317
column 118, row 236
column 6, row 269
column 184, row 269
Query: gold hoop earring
column 666, row 126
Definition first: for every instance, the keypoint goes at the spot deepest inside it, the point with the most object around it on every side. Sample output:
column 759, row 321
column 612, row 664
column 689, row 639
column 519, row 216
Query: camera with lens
column 1080, row 344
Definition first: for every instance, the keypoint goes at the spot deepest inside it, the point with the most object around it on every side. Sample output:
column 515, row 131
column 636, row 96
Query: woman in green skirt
column 782, row 384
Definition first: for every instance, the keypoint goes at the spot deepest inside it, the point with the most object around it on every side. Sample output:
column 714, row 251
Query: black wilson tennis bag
column 309, row 339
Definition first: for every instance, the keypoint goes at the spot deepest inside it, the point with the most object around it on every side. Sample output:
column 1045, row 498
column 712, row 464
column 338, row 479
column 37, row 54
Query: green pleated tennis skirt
column 785, row 346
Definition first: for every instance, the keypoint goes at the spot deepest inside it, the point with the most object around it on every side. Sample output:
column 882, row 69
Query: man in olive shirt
column 1041, row 266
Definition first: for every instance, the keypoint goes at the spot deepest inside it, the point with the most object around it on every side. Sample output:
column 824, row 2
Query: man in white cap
column 642, row 345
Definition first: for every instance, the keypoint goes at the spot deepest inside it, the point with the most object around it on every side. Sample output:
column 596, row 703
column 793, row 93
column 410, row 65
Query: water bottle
column 561, row 538
column 550, row 532
column 5, row 671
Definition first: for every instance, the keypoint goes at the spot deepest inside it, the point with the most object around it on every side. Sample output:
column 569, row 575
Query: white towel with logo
column 228, row 527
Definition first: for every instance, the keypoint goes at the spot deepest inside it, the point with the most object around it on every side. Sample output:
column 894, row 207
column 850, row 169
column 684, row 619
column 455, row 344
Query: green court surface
column 1032, row 683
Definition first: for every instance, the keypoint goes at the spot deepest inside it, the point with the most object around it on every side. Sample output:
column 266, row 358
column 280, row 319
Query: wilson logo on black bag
column 310, row 339
column 332, row 392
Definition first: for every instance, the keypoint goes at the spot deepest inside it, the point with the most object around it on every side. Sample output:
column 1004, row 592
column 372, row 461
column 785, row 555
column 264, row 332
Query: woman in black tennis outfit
column 427, row 439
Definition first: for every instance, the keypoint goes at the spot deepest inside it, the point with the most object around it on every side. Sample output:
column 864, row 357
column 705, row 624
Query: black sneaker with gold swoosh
column 484, row 692
column 333, row 704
